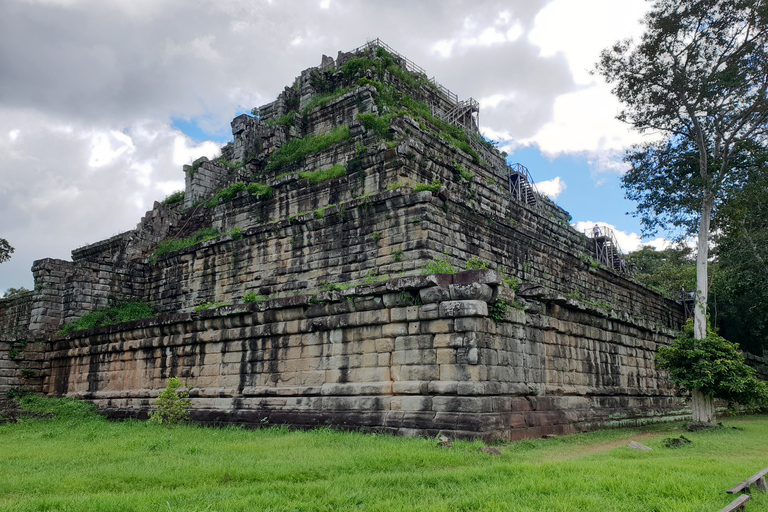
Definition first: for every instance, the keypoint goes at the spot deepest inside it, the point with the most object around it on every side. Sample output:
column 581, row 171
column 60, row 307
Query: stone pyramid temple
column 359, row 256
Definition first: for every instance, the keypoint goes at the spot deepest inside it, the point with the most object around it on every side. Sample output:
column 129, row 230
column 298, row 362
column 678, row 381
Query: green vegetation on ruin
column 171, row 245
column 318, row 176
column 175, row 197
column 76, row 460
column 125, row 312
column 258, row 190
column 297, row 149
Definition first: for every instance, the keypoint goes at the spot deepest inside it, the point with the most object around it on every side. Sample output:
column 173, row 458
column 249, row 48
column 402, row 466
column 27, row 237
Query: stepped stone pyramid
column 365, row 260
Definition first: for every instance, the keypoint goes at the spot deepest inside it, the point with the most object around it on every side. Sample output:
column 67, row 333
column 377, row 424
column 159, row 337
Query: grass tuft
column 125, row 312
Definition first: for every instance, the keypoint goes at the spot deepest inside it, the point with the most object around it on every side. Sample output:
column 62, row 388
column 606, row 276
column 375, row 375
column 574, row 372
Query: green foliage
column 209, row 305
column 225, row 195
column 124, row 312
column 322, row 100
column 475, row 263
column 354, row 66
column 379, row 124
column 17, row 347
column 373, row 277
column 375, row 237
column 397, row 256
column 170, row 245
column 175, row 197
column 232, row 165
column 511, row 282
column 434, row 187
column 460, row 172
column 5, row 250
column 668, row 271
column 498, row 310
column 286, row 120
column 713, row 366
column 259, row 190
column 297, row 149
column 15, row 292
column 438, row 265
column 172, row 406
column 62, row 409
column 741, row 280
column 323, row 175
column 253, row 297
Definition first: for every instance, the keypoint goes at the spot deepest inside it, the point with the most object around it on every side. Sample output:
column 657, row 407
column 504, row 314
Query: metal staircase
column 607, row 250
column 520, row 184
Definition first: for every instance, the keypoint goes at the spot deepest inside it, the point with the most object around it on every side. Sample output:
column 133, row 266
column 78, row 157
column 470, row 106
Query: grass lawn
column 77, row 461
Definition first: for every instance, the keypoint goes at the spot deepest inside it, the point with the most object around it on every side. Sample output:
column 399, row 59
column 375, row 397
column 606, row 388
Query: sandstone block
column 471, row 291
column 434, row 295
column 461, row 308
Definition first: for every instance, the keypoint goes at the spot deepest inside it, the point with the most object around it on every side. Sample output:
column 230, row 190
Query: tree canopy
column 5, row 250
column 741, row 281
column 668, row 271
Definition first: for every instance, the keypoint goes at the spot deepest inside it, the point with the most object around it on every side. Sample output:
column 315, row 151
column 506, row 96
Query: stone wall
column 413, row 355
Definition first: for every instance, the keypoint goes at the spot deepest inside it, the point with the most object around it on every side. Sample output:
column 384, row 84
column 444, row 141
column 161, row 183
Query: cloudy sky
column 103, row 101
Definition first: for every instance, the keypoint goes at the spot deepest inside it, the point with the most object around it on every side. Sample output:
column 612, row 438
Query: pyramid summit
column 358, row 256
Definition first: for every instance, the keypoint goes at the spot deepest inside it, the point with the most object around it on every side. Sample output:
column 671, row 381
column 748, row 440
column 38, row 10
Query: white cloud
column 556, row 30
column 584, row 120
column 552, row 188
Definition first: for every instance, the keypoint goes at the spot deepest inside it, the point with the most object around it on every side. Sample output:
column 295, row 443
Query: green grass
column 79, row 461
column 125, row 312
column 318, row 176
column 171, row 245
column 297, row 149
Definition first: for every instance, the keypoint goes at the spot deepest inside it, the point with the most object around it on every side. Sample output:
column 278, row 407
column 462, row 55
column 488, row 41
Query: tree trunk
column 703, row 408
column 702, row 283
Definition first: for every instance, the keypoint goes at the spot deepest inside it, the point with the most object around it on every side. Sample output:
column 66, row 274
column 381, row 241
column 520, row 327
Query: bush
column 438, row 265
column 260, row 191
column 125, row 312
column 225, row 195
column 176, row 197
column 172, row 406
column 476, row 263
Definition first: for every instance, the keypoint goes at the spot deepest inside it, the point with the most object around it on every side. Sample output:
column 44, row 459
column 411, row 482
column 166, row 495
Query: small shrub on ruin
column 475, row 263
column 174, row 198
column 172, row 406
column 438, row 265
column 253, row 297
column 434, row 187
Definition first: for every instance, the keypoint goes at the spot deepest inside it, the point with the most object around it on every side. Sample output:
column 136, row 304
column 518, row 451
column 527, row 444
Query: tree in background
column 5, row 250
column 741, row 282
column 698, row 77
column 668, row 271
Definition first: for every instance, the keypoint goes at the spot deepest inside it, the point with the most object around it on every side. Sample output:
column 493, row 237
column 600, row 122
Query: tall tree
column 5, row 250
column 698, row 77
